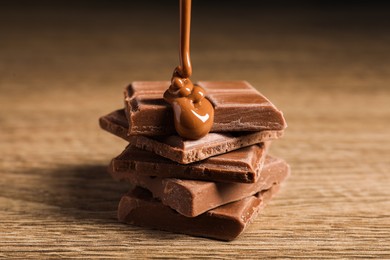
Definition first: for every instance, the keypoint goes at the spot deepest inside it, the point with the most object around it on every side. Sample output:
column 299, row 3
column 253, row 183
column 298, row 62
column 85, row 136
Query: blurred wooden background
column 62, row 65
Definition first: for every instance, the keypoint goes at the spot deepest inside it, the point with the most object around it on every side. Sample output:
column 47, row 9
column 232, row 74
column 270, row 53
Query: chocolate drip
column 193, row 114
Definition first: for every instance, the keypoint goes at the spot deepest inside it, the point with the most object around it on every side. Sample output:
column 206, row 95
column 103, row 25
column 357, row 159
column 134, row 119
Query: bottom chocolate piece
column 224, row 223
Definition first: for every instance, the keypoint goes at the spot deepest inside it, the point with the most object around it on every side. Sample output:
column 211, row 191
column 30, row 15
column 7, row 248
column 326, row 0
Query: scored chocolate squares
column 237, row 107
column 243, row 165
column 226, row 222
column 183, row 151
column 192, row 198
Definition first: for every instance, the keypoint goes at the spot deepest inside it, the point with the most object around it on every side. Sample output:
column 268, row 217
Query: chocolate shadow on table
column 83, row 191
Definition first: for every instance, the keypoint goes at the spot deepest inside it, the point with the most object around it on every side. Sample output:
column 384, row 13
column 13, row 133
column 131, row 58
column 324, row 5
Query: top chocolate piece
column 238, row 107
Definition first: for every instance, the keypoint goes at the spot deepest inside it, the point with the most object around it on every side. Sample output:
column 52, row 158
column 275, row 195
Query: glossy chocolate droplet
column 193, row 114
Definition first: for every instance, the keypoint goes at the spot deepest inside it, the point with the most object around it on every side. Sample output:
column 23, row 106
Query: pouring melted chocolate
column 193, row 113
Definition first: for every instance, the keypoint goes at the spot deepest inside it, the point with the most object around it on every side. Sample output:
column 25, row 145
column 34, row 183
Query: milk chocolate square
column 226, row 222
column 238, row 107
column 184, row 151
column 192, row 198
column 243, row 165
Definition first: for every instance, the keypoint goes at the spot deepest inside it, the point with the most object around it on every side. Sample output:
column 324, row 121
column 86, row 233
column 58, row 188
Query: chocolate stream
column 185, row 31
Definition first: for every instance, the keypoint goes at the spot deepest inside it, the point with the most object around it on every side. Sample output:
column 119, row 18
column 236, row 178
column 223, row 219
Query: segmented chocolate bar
column 237, row 106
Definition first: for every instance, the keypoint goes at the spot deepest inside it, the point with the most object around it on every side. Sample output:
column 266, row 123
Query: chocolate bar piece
column 237, row 106
column 224, row 223
column 116, row 124
column 192, row 198
column 183, row 151
column 243, row 165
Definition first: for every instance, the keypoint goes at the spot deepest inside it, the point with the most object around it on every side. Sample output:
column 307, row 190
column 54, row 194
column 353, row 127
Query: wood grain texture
column 62, row 68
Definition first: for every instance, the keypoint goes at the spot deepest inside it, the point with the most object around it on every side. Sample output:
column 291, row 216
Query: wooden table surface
column 61, row 67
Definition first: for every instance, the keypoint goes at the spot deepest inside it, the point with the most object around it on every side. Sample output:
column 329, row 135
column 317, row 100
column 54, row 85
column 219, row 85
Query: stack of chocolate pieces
column 210, row 187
